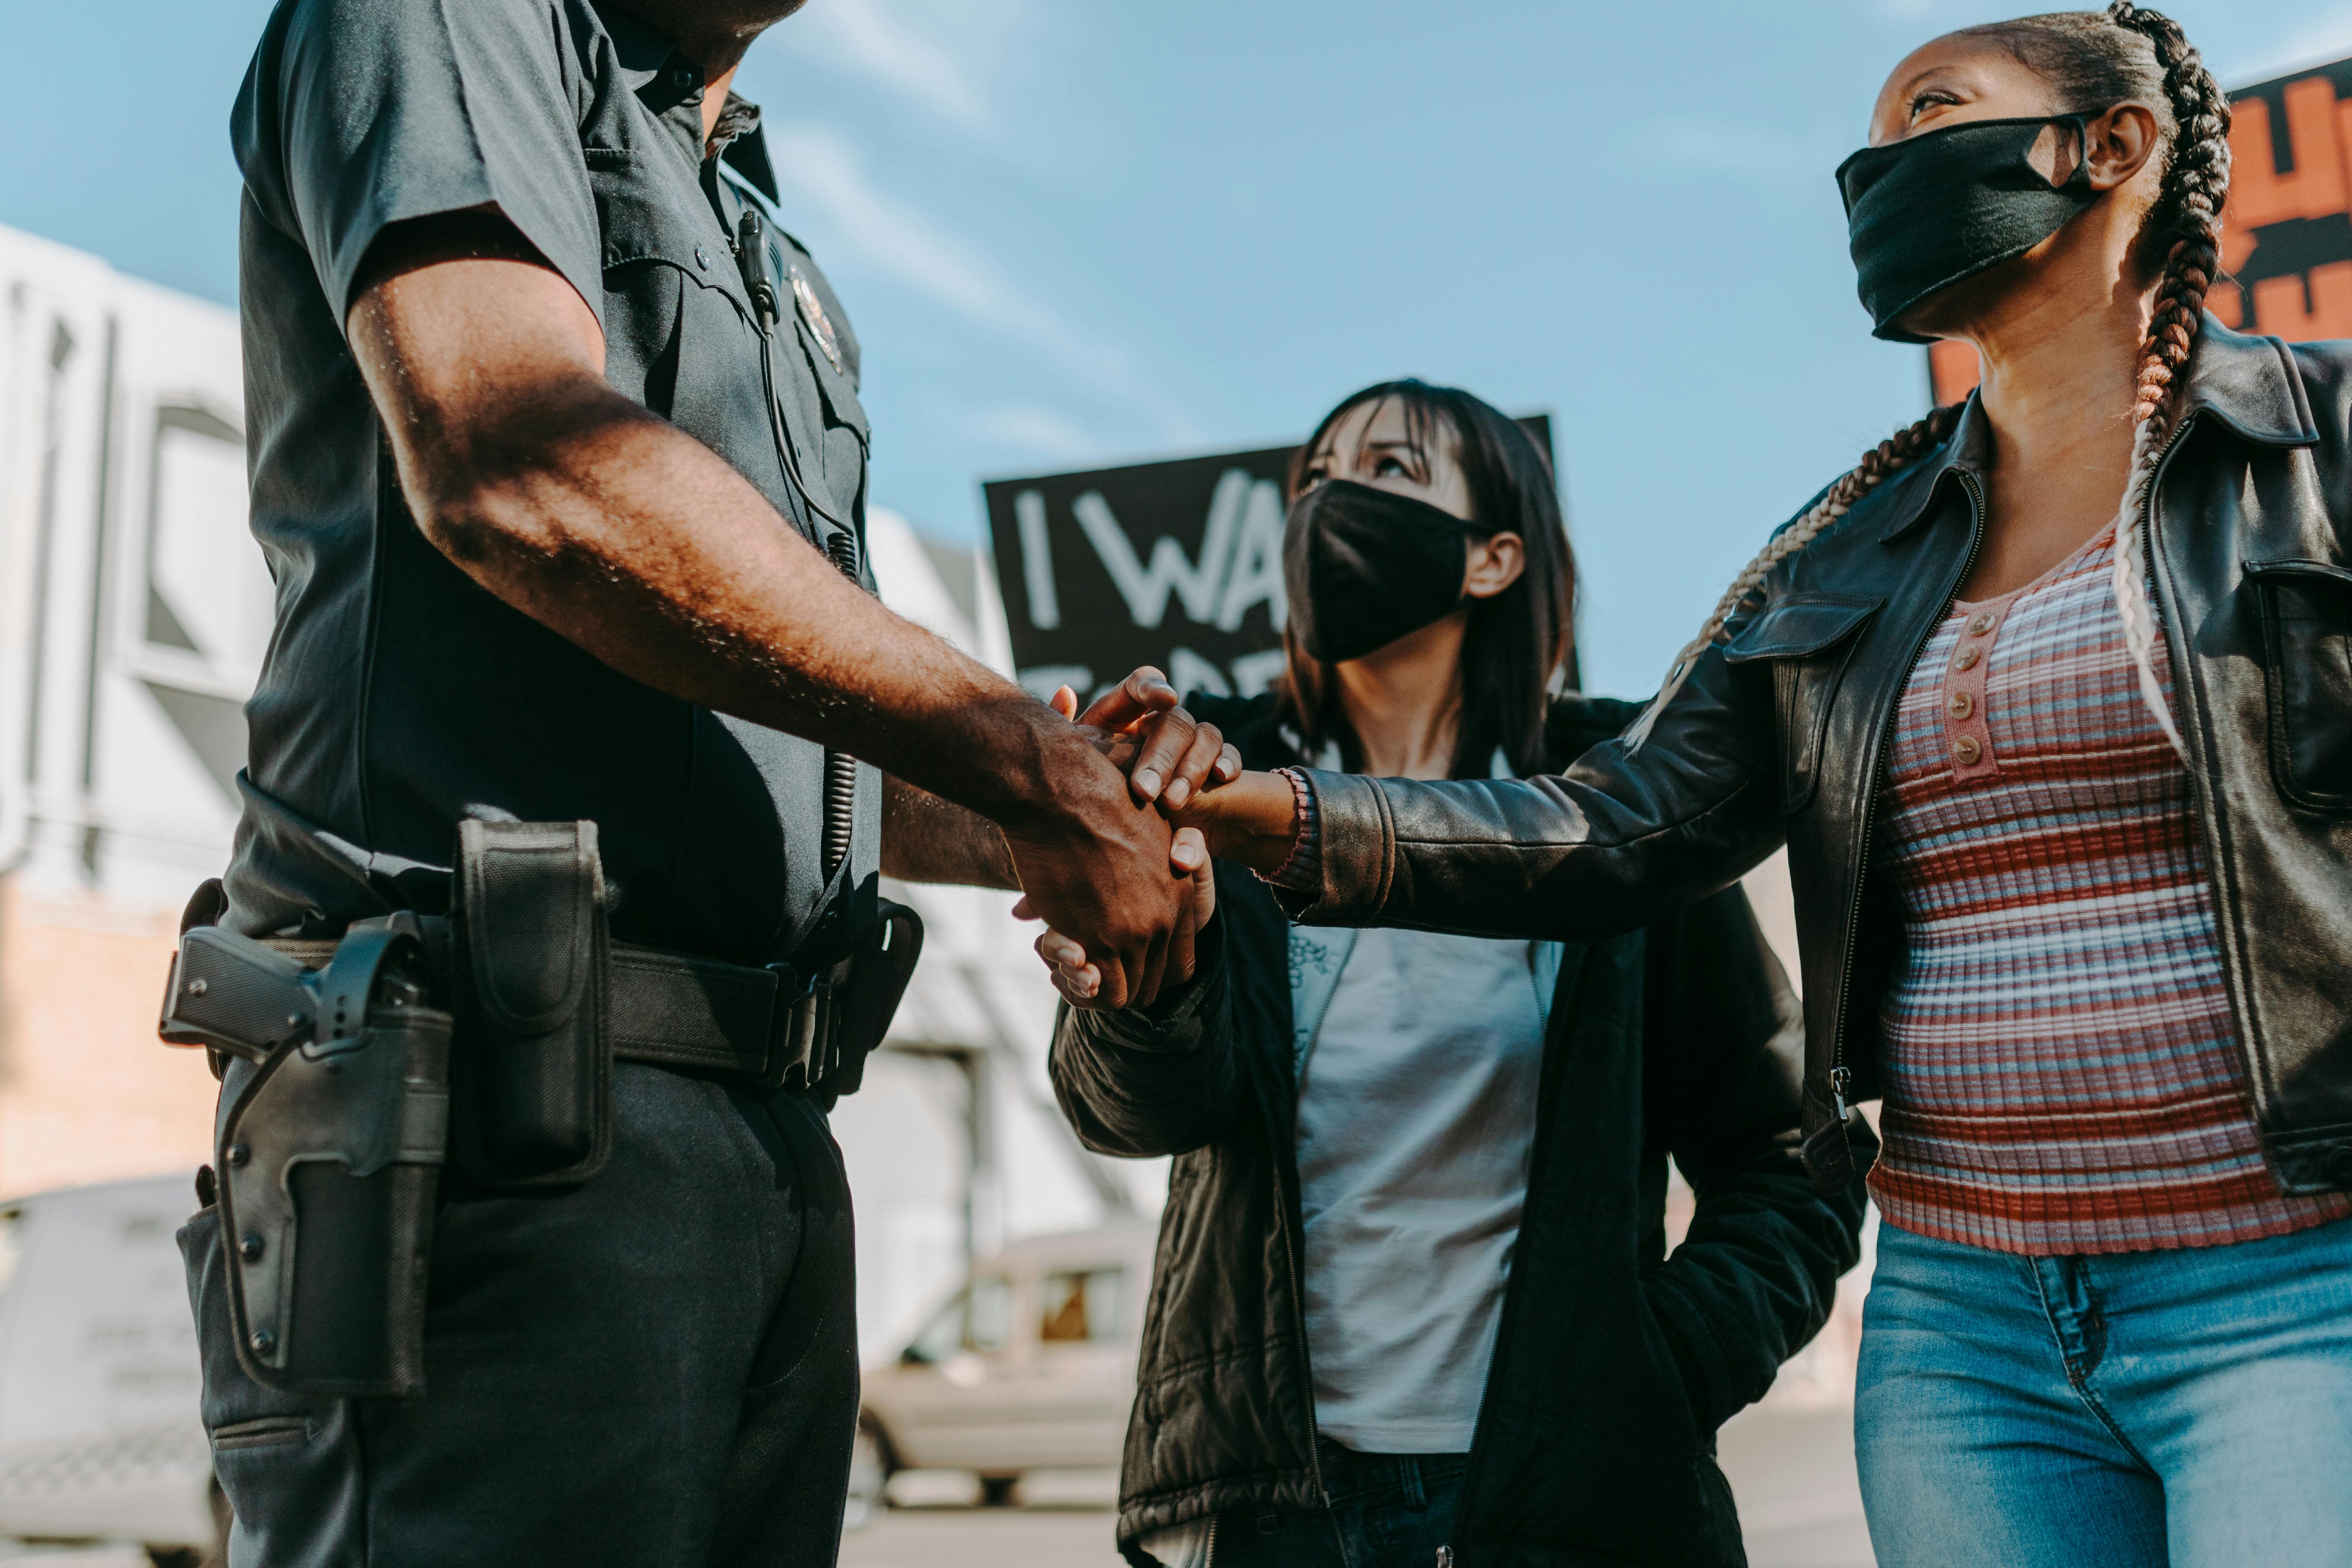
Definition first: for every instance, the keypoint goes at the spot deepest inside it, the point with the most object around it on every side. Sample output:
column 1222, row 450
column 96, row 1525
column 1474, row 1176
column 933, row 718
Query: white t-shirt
column 1416, row 1115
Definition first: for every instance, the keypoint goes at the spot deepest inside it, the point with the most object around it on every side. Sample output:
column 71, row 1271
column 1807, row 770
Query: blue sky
column 1076, row 231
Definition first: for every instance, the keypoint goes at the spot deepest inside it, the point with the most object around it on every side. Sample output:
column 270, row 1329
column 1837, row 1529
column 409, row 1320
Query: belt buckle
column 793, row 1029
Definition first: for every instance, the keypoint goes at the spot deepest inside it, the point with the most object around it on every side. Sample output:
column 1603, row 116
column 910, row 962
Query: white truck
column 101, row 1439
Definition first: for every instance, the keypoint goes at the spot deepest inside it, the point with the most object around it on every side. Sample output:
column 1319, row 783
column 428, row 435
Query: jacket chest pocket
column 2307, row 609
column 1807, row 639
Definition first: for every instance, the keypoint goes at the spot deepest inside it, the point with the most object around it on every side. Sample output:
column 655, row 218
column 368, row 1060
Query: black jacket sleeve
column 1157, row 1080
column 1756, row 1275
column 1614, row 842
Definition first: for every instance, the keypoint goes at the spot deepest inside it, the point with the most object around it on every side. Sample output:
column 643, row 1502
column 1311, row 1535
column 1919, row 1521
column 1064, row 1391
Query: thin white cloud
column 1038, row 430
column 874, row 38
column 823, row 169
column 823, row 166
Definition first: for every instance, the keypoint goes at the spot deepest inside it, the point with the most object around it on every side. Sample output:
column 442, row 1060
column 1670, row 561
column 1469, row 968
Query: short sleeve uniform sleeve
column 370, row 112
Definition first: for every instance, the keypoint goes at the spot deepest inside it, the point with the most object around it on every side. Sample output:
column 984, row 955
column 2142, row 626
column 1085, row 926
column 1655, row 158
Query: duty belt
column 354, row 1070
column 697, row 1014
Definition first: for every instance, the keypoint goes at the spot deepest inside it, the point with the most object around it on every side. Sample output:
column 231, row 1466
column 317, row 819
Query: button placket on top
column 1968, row 730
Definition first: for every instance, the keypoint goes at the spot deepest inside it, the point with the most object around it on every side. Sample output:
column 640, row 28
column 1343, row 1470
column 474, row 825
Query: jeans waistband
column 1348, row 1473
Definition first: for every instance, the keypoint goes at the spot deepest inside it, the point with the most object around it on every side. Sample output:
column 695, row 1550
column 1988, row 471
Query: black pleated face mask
column 1927, row 213
column 1364, row 566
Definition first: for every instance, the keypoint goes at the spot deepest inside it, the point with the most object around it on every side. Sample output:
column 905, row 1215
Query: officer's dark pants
column 657, row 1368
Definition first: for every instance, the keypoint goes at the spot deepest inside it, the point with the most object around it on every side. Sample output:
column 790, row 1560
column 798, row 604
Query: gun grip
column 234, row 995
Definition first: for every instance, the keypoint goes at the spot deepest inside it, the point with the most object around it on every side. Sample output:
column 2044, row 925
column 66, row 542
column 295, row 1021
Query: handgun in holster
column 345, row 1094
column 329, row 1144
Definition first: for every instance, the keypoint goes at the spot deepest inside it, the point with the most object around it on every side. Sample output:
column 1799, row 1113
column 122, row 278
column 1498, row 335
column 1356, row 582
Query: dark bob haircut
column 1520, row 640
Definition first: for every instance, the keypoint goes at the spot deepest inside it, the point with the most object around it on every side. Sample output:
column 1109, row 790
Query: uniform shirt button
column 1968, row 656
column 1967, row 750
column 1979, row 623
column 1961, row 705
column 702, row 259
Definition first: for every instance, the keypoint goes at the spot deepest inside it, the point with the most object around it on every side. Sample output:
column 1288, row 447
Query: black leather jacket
column 1780, row 734
column 1613, row 1363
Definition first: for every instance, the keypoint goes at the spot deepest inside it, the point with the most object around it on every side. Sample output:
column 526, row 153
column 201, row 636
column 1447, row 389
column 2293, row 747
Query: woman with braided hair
column 2051, row 702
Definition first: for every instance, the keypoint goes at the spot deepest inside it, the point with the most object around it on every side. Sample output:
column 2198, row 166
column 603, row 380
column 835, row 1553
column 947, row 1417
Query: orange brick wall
column 86, row 1092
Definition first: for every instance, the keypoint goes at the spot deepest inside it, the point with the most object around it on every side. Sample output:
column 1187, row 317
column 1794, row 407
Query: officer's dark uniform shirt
column 399, row 697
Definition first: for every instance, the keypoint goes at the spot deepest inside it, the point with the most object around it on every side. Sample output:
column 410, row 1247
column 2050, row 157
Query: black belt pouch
column 868, row 986
column 531, row 1073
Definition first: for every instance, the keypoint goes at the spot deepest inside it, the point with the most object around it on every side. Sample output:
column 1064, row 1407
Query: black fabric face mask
column 1364, row 566
column 1927, row 213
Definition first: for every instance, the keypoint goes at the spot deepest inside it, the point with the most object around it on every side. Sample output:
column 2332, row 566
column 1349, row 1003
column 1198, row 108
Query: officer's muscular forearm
column 630, row 538
column 607, row 523
column 927, row 839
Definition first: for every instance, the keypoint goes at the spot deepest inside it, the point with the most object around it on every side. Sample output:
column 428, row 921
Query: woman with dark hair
column 1413, row 1274
column 2067, row 791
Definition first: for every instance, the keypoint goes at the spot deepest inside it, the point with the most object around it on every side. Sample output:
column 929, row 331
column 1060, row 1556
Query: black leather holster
column 343, row 1093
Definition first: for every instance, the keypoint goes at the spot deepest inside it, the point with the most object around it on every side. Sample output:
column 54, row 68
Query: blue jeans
column 2179, row 1409
column 1388, row 1511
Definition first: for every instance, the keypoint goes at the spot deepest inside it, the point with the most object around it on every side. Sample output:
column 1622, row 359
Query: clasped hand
column 1168, row 758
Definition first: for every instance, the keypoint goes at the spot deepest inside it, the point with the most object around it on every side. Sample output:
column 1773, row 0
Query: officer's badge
column 812, row 312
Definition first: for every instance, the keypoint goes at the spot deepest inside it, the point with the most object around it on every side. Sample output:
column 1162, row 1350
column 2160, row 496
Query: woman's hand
column 1080, row 982
column 1190, row 769
column 1253, row 820
column 1169, row 756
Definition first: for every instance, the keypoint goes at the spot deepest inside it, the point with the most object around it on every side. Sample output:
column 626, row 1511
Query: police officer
column 558, row 460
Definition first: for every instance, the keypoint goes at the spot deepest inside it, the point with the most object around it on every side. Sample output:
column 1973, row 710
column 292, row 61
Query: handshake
column 1125, row 885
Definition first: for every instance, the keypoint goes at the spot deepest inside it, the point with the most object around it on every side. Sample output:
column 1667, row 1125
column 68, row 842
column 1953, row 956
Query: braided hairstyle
column 2095, row 60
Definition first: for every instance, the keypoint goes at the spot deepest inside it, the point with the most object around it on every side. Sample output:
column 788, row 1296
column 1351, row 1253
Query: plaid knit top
column 2062, row 1071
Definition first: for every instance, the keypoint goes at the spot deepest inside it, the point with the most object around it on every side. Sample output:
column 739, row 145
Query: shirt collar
column 743, row 146
column 650, row 66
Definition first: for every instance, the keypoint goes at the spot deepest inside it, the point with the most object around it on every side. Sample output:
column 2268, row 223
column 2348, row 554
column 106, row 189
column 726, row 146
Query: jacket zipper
column 1841, row 1076
column 1210, row 1558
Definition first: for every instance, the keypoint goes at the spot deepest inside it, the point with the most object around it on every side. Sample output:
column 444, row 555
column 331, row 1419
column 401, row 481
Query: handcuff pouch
column 533, row 1067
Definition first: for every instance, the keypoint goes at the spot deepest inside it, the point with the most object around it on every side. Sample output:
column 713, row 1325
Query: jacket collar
column 1969, row 451
column 2251, row 385
column 2245, row 382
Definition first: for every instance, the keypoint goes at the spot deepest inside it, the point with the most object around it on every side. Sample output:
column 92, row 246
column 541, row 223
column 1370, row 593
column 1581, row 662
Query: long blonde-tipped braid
column 2188, row 211
column 1889, row 457
column 2189, row 207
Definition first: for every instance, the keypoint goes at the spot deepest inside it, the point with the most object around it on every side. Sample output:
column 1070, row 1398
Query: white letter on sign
column 1037, row 561
column 1146, row 589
